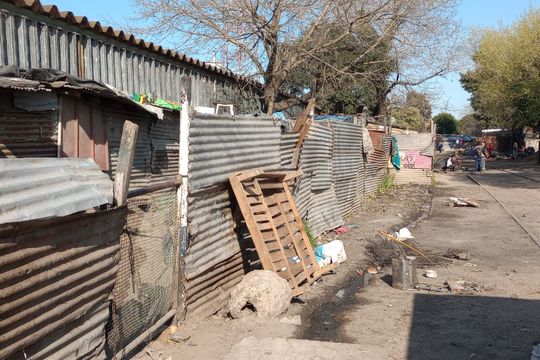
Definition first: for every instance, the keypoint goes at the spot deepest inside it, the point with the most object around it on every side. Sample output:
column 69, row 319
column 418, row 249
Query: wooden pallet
column 276, row 228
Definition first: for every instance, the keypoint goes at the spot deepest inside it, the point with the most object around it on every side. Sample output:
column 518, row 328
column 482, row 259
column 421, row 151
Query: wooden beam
column 304, row 116
column 125, row 162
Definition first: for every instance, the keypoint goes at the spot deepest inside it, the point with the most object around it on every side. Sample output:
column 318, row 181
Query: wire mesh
column 145, row 284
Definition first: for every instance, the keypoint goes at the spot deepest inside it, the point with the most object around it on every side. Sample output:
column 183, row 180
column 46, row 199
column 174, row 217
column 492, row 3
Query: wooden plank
column 125, row 162
column 304, row 115
column 257, row 187
column 254, row 231
column 300, row 226
column 296, row 245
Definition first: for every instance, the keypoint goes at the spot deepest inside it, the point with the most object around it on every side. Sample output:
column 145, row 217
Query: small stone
column 340, row 293
column 179, row 337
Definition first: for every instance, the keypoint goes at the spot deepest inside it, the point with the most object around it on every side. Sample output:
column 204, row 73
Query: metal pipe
column 139, row 339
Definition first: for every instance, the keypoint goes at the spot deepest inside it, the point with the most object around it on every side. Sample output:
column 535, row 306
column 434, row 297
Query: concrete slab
column 252, row 348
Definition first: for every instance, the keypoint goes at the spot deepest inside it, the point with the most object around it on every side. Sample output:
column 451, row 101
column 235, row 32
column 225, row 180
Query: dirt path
column 501, row 321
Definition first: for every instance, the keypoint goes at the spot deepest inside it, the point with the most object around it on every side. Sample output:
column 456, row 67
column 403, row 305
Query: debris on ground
column 463, row 202
column 404, row 273
column 341, row 230
column 458, row 254
column 372, row 270
column 340, row 293
column 179, row 337
column 293, row 320
column 332, row 252
column 430, row 274
column 268, row 293
column 404, row 234
column 156, row 355
column 462, row 287
column 428, row 287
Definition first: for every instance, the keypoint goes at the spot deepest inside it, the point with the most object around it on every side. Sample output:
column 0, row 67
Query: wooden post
column 125, row 162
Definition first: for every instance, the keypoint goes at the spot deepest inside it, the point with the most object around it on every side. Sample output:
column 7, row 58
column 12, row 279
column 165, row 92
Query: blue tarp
column 343, row 118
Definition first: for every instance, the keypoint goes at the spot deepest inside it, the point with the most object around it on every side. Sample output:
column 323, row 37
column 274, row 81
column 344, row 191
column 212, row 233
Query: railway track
column 530, row 232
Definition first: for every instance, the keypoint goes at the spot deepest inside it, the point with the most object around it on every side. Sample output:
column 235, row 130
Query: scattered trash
column 395, row 239
column 404, row 273
column 154, row 354
column 293, row 320
column 341, row 230
column 470, row 264
column 430, row 274
column 340, row 293
column 269, row 293
column 333, row 250
column 535, row 353
column 458, row 254
column 463, row 202
column 404, row 234
column 372, row 270
column 462, row 286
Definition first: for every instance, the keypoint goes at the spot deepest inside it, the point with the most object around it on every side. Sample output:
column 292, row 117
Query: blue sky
column 451, row 97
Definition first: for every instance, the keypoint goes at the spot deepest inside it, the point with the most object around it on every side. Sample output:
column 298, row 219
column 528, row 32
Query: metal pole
column 182, row 207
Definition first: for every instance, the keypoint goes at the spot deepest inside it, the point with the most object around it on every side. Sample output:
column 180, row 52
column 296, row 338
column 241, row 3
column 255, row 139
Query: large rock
column 269, row 294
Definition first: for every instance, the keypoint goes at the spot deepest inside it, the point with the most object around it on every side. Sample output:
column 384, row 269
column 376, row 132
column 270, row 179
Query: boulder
column 266, row 291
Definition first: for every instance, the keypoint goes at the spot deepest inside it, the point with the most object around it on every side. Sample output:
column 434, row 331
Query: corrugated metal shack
column 416, row 153
column 58, row 268
column 36, row 36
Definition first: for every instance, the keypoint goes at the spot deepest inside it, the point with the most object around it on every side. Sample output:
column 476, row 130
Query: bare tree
column 274, row 37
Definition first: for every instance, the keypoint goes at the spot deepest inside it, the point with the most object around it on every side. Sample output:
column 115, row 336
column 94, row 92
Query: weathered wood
column 125, row 162
column 275, row 225
column 304, row 116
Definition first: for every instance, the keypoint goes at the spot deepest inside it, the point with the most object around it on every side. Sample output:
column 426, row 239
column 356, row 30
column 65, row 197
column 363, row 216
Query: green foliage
column 421, row 102
column 349, row 93
column 312, row 240
column 471, row 125
column 505, row 83
column 409, row 117
column 387, row 183
column 446, row 123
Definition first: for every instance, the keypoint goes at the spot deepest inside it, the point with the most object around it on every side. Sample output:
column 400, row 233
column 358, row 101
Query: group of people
column 480, row 153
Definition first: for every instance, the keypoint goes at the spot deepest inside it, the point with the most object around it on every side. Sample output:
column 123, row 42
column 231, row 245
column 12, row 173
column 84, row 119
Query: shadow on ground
column 473, row 327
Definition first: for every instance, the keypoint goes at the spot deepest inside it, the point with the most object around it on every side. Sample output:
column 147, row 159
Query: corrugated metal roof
column 57, row 276
column 83, row 22
column 34, row 188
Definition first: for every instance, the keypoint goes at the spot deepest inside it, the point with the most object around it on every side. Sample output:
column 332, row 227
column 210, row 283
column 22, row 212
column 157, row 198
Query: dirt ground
column 498, row 318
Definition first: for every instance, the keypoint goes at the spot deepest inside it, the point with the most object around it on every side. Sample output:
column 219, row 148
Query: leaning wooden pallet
column 276, row 228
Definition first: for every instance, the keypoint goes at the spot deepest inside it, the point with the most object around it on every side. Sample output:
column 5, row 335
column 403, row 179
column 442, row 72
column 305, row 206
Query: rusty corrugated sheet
column 57, row 275
column 35, row 188
column 219, row 146
column 25, row 134
column 34, row 37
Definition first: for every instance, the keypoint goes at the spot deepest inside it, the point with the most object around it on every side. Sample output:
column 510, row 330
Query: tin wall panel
column 57, row 277
column 164, row 138
column 423, row 142
column 316, row 156
column 25, row 134
column 324, row 213
column 37, row 188
column 219, row 146
column 302, row 194
column 286, row 150
column 222, row 145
